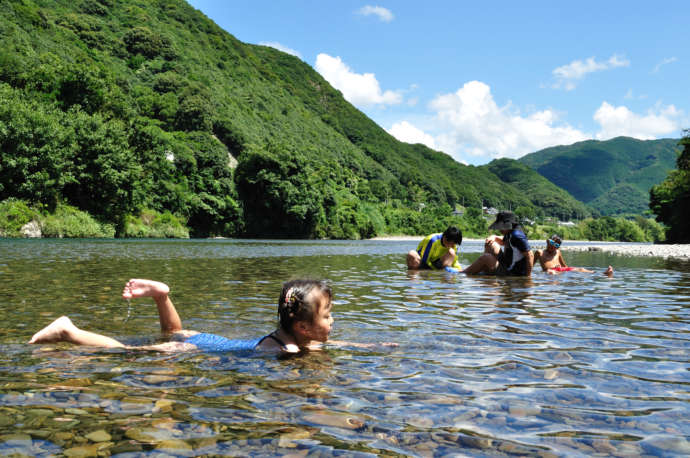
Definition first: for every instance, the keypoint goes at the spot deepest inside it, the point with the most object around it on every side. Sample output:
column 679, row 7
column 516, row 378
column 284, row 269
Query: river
column 572, row 365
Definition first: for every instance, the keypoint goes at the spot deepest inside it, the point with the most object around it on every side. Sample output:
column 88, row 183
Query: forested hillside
column 612, row 176
column 132, row 107
column 548, row 198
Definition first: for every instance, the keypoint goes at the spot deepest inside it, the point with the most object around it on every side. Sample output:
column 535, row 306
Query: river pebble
column 98, row 436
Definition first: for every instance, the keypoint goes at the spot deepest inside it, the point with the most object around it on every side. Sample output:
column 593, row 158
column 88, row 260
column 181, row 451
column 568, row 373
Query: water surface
column 578, row 364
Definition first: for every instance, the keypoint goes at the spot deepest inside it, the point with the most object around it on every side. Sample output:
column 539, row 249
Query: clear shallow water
column 573, row 365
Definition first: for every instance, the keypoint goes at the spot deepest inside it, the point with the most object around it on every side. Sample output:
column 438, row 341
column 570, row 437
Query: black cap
column 505, row 221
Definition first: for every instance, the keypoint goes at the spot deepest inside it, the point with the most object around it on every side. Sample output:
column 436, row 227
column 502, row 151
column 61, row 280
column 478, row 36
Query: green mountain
column 545, row 195
column 128, row 107
column 612, row 176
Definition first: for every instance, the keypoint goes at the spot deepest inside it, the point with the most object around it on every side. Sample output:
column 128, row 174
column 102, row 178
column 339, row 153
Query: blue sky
column 480, row 83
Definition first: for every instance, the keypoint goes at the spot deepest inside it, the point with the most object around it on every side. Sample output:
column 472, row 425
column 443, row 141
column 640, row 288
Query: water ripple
column 576, row 364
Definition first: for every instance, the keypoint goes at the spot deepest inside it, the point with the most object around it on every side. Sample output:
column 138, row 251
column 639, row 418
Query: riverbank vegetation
column 19, row 219
column 607, row 228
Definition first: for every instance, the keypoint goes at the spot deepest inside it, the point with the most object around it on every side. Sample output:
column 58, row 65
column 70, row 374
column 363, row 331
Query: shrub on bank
column 14, row 214
column 433, row 219
column 151, row 224
column 70, row 222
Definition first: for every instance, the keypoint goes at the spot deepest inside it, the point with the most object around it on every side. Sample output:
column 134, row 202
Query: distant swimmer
column 437, row 251
column 552, row 262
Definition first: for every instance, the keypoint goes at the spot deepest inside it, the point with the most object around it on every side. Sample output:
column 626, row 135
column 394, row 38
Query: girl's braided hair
column 293, row 305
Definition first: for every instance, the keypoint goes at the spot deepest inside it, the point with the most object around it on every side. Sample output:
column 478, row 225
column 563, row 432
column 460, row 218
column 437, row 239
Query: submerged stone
column 98, row 436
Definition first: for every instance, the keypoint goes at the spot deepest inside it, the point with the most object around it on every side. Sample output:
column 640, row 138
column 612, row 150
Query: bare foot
column 137, row 287
column 54, row 332
column 609, row 272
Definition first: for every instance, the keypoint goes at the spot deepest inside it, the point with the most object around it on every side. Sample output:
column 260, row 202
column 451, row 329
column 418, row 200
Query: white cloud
column 360, row 89
column 406, row 132
column 668, row 60
column 617, row 121
column 280, row 47
column 383, row 14
column 473, row 123
column 568, row 75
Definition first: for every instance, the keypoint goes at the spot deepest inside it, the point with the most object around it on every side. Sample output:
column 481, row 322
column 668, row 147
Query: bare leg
column 448, row 258
column 169, row 319
column 413, row 260
column 63, row 330
column 484, row 263
column 492, row 247
column 582, row 269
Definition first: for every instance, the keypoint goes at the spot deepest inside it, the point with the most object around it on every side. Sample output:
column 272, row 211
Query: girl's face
column 320, row 327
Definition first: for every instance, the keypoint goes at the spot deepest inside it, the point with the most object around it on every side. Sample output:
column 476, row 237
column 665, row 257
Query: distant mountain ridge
column 612, row 176
column 545, row 195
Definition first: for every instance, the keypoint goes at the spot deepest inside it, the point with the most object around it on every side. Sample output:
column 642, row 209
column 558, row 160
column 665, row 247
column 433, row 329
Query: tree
column 35, row 149
column 104, row 172
column 670, row 200
column 278, row 198
column 524, row 211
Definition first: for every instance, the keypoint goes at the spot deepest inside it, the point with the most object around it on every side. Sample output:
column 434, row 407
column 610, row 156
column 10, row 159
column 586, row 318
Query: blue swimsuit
column 214, row 343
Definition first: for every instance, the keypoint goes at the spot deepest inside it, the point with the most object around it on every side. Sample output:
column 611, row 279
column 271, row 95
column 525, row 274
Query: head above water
column 453, row 234
column 554, row 241
column 299, row 301
column 505, row 221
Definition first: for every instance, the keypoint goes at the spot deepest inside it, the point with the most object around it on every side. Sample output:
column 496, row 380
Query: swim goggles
column 554, row 244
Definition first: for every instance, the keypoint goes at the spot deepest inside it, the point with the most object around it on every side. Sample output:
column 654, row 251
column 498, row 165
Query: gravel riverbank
column 681, row 252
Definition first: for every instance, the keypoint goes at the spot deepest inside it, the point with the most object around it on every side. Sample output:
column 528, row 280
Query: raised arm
column 538, row 257
column 561, row 261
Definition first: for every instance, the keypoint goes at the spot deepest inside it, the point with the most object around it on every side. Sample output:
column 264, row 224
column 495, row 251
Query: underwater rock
column 331, row 419
column 174, row 444
column 86, row 450
column 288, row 440
column 665, row 445
column 98, row 436
column 603, row 446
column 163, row 405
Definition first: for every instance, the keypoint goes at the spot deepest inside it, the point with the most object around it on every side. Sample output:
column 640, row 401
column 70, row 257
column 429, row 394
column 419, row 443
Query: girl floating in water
column 304, row 311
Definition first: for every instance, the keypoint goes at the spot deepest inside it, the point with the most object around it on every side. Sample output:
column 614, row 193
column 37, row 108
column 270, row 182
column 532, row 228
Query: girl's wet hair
column 293, row 305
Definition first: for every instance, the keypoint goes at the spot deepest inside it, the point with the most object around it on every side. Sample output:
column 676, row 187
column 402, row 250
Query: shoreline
column 679, row 252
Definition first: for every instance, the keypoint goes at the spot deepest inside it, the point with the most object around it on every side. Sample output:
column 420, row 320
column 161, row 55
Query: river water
column 572, row 365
